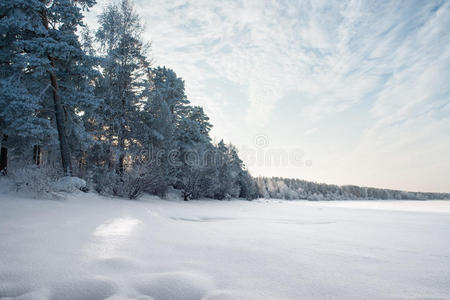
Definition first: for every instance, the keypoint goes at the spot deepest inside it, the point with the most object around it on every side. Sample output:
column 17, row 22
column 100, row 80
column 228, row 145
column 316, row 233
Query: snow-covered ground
column 88, row 247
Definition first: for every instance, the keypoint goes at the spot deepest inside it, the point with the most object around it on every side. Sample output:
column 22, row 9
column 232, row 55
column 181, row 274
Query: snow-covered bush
column 70, row 184
column 131, row 184
column 103, row 181
column 38, row 181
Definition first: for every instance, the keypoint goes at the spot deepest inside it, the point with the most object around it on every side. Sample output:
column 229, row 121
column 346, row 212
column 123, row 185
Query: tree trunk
column 37, row 155
column 3, row 157
column 59, row 113
column 82, row 162
column 121, row 143
column 121, row 164
column 121, row 135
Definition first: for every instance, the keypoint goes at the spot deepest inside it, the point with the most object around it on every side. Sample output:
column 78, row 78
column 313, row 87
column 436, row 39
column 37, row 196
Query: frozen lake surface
column 89, row 247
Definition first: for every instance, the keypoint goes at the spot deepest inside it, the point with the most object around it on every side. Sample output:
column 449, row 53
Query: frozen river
column 89, row 247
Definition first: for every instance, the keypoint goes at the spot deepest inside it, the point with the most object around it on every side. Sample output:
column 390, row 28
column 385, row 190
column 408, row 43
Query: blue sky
column 353, row 92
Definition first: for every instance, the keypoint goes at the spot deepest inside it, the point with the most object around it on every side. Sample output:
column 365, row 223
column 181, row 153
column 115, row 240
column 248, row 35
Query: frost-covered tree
column 224, row 178
column 20, row 105
column 248, row 187
column 164, row 98
column 283, row 188
column 125, row 71
column 42, row 55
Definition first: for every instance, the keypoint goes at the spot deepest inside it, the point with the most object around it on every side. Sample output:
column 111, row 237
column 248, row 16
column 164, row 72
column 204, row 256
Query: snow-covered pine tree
column 21, row 108
column 235, row 170
column 44, row 56
column 194, row 144
column 125, row 68
column 247, row 184
column 224, row 180
column 80, row 103
column 164, row 95
column 162, row 115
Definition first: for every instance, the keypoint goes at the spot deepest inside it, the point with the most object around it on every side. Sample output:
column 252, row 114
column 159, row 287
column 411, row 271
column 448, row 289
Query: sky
column 342, row 92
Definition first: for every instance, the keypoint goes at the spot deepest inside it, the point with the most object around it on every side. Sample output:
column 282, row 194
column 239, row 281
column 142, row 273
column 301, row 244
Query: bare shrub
column 36, row 180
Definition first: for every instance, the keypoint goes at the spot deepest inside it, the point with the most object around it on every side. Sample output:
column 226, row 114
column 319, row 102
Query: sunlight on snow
column 117, row 227
column 111, row 236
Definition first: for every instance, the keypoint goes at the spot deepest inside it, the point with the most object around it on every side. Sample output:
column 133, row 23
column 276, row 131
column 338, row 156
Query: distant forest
column 291, row 189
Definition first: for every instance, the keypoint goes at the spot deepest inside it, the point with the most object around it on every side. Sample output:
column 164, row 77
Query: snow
column 91, row 247
column 437, row 206
column 69, row 184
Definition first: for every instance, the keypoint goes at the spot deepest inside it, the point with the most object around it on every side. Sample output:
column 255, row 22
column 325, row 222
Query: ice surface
column 90, row 247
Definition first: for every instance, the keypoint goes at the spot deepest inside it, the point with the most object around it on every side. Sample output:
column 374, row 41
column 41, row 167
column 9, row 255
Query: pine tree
column 43, row 53
column 125, row 68
column 22, row 121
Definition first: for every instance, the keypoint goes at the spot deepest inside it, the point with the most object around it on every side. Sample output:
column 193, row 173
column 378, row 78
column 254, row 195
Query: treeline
column 92, row 105
column 295, row 189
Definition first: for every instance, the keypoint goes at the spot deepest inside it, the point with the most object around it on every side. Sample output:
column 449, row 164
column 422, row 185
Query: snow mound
column 116, row 264
column 174, row 286
column 12, row 289
column 174, row 194
column 141, row 297
column 230, row 295
column 5, row 185
column 86, row 289
column 70, row 184
column 34, row 295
